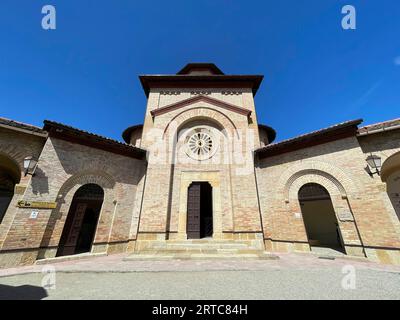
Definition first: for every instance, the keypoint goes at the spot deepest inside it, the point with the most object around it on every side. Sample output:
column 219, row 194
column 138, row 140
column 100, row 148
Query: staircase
column 202, row 249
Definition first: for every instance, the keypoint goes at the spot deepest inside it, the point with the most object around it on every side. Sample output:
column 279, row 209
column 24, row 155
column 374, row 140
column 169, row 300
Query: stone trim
column 187, row 178
column 101, row 178
column 314, row 175
column 344, row 184
column 202, row 112
column 200, row 98
column 386, row 172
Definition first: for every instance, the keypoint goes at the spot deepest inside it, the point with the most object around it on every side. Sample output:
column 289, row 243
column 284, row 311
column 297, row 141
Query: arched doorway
column 199, row 211
column 391, row 175
column 319, row 217
column 80, row 226
column 9, row 177
column 393, row 190
column 7, row 185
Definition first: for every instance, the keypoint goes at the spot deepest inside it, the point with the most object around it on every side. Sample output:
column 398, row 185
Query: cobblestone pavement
column 293, row 276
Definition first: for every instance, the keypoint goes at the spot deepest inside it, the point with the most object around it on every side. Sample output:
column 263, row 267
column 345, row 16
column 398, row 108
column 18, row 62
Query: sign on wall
column 345, row 215
column 37, row 204
column 34, row 214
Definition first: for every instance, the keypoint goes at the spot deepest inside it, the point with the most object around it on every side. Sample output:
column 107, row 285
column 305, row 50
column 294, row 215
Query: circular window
column 200, row 144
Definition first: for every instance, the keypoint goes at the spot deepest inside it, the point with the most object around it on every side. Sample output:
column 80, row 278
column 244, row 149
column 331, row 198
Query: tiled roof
column 69, row 133
column 316, row 137
column 211, row 67
column 189, row 77
column 20, row 125
column 381, row 126
column 126, row 135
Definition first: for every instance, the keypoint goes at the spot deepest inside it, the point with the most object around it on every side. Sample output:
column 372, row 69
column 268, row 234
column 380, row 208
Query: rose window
column 200, row 144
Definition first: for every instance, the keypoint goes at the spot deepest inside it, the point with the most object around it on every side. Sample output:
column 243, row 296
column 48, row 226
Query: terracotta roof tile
column 21, row 125
column 379, row 126
column 60, row 130
column 311, row 138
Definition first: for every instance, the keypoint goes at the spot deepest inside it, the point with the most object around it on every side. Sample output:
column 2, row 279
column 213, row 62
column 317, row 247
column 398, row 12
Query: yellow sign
column 37, row 204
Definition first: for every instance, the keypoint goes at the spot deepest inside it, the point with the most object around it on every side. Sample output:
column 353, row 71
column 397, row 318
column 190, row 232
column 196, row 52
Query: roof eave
column 193, row 81
column 330, row 134
column 22, row 127
column 70, row 134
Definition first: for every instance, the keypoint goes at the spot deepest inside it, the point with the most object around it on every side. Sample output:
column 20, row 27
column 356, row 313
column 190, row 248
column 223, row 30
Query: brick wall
column 339, row 166
column 15, row 146
column 63, row 167
column 163, row 186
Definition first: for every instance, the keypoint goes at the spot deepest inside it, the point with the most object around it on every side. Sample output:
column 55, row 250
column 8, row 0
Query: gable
column 200, row 98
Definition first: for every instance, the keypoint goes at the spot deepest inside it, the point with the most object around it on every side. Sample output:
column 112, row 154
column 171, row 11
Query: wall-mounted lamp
column 374, row 165
column 30, row 164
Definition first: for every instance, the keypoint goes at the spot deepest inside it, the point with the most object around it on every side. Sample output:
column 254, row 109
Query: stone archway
column 319, row 217
column 219, row 126
column 200, row 112
column 339, row 198
column 82, row 219
column 390, row 174
column 52, row 234
column 10, row 176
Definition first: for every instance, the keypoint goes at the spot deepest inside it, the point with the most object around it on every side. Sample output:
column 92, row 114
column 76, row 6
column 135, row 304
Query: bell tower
column 200, row 130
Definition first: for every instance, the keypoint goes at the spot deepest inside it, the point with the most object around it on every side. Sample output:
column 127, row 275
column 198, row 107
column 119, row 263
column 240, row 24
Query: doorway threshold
column 327, row 251
column 79, row 256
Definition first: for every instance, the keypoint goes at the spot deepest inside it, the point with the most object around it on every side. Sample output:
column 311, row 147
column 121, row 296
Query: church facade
column 201, row 174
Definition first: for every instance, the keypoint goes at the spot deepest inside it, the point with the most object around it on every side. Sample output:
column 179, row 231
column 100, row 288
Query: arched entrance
column 393, row 190
column 391, row 175
column 199, row 211
column 319, row 217
column 9, row 177
column 80, row 226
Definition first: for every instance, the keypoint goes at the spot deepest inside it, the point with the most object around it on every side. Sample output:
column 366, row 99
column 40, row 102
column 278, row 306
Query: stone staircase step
column 80, row 256
column 200, row 250
column 200, row 246
column 200, row 256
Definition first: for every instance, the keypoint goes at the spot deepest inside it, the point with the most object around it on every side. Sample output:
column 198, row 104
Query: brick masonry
column 145, row 200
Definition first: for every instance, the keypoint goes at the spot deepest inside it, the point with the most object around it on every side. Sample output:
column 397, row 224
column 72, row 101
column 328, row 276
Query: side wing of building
column 365, row 200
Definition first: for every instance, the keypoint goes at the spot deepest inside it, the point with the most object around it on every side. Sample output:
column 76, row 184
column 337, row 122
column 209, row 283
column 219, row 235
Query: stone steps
column 200, row 250
column 199, row 244
column 200, row 256
column 206, row 249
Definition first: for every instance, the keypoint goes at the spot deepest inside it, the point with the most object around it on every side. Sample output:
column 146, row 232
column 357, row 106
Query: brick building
column 199, row 171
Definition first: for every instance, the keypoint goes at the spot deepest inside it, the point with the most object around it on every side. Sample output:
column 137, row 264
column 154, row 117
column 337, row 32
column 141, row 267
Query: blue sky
column 84, row 73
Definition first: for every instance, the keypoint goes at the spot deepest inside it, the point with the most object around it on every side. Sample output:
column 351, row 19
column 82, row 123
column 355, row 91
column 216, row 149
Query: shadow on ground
column 22, row 292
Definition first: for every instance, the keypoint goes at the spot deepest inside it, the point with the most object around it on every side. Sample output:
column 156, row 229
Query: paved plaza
column 293, row 276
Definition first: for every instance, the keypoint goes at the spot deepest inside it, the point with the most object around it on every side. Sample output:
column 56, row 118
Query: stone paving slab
column 116, row 264
column 202, row 255
column 311, row 283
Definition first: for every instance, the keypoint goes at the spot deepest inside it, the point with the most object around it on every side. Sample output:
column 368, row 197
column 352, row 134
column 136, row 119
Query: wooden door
column 72, row 238
column 193, row 211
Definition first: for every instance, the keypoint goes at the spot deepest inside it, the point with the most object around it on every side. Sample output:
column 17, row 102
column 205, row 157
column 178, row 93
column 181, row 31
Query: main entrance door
column 199, row 212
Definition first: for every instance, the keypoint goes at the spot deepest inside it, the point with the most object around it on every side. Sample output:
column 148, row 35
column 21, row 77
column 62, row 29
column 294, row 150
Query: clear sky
column 84, row 73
